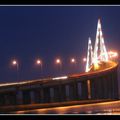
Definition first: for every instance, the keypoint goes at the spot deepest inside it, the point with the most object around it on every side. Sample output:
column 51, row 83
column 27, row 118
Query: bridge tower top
column 100, row 52
column 89, row 56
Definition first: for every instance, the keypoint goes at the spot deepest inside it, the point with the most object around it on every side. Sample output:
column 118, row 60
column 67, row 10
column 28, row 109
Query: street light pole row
column 39, row 62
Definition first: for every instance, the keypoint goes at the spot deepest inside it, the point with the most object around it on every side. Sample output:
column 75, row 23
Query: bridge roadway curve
column 97, row 89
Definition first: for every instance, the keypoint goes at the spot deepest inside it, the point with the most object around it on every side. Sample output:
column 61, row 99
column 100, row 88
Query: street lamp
column 73, row 60
column 73, row 64
column 15, row 63
column 58, row 62
column 39, row 62
column 84, row 59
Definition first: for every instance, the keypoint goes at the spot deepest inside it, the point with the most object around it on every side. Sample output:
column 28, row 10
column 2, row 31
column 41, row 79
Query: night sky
column 31, row 32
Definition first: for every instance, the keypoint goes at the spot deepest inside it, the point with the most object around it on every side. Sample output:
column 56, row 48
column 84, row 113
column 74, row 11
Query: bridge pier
column 63, row 92
column 10, row 98
column 6, row 100
column 84, row 88
column 98, row 88
column 2, row 99
column 105, row 85
column 109, row 85
column 41, row 95
column 103, row 88
column 26, row 97
column 46, row 94
column 79, row 90
column 19, row 97
column 52, row 94
column 57, row 94
column 93, row 88
column 67, row 91
column 37, row 96
column 73, row 91
column 89, row 88
column 115, row 84
column 32, row 97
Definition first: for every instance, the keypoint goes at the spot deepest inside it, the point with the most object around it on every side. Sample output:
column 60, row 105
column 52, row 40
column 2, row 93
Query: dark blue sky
column 28, row 32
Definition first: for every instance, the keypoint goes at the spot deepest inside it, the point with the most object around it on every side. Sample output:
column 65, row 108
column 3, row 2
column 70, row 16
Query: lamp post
column 73, row 64
column 73, row 61
column 39, row 62
column 15, row 63
column 58, row 62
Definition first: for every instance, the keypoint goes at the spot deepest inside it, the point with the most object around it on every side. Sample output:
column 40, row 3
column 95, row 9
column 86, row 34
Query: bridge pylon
column 100, row 52
column 89, row 61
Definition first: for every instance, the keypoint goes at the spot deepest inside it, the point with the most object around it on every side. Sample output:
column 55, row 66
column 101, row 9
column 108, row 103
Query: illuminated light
column 58, row 61
column 84, row 59
column 101, row 33
column 19, row 83
column 112, row 54
column 89, row 42
column 14, row 62
column 38, row 62
column 15, row 83
column 96, row 66
column 116, row 54
column 89, row 91
column 99, row 24
column 103, row 52
column 87, row 70
column 89, row 60
column 8, row 84
column 57, row 78
column 72, row 60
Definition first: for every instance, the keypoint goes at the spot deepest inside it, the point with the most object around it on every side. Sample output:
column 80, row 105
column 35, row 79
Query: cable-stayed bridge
column 95, row 88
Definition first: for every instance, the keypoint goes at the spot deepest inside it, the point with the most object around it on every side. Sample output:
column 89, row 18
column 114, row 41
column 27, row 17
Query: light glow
column 72, row 60
column 84, row 59
column 89, row 60
column 38, row 61
column 112, row 54
column 58, row 61
column 96, row 66
column 57, row 78
column 14, row 62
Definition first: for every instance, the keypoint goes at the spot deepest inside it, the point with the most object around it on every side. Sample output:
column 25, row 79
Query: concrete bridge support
column 91, row 86
column 19, row 97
